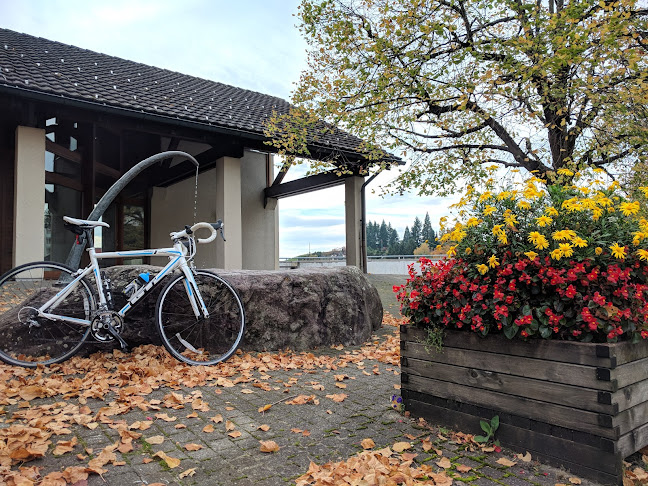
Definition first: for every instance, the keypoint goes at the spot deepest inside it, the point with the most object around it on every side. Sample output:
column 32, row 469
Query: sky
column 252, row 44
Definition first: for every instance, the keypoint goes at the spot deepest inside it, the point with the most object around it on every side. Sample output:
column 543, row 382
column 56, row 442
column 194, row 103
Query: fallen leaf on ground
column 269, row 446
column 301, row 400
column 401, row 446
column 338, row 397
column 575, row 480
column 193, row 447
column 505, row 462
column 172, row 462
column 155, row 440
column 463, row 469
column 367, row 444
column 444, row 462
column 524, row 457
column 264, row 427
column 265, row 408
column 208, row 429
column 188, row 472
column 235, row 434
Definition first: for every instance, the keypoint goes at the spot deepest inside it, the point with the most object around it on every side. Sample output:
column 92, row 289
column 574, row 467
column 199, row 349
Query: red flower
column 571, row 291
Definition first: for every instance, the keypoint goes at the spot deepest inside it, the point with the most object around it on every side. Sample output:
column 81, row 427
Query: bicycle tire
column 213, row 339
column 28, row 340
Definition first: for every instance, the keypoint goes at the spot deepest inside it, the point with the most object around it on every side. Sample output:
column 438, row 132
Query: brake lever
column 222, row 233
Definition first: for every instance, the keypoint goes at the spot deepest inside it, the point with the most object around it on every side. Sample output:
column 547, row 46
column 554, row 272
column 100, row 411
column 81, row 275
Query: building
column 73, row 121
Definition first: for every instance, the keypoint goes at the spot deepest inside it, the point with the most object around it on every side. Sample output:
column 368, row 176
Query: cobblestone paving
column 321, row 432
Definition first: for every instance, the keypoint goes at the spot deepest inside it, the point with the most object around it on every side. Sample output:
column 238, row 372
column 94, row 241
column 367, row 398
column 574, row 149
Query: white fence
column 386, row 264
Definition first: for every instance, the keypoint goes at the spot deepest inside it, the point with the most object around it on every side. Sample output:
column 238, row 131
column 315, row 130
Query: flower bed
column 552, row 268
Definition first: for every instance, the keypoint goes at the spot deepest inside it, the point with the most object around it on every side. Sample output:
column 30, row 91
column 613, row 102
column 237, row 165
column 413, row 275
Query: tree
column 408, row 245
column 427, row 233
column 460, row 84
column 383, row 235
column 416, row 232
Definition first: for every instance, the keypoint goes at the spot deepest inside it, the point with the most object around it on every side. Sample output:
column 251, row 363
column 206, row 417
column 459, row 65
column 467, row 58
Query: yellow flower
column 481, row 268
column 468, row 250
column 472, row 222
column 629, row 208
column 563, row 235
column 503, row 195
column 566, row 249
column 538, row 240
column 551, row 211
column 502, row 238
column 579, row 242
column 566, row 172
column 644, row 190
column 452, row 251
column 643, row 254
column 509, row 218
column 488, row 210
column 544, row 221
column 596, row 214
column 492, row 261
column 556, row 254
column 497, row 229
column 618, row 251
column 531, row 254
column 598, row 250
column 484, row 196
column 523, row 204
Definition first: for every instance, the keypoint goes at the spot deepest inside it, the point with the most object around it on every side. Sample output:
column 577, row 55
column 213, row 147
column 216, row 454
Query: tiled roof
column 58, row 69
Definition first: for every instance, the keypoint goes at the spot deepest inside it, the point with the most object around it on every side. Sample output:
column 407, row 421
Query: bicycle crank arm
column 113, row 332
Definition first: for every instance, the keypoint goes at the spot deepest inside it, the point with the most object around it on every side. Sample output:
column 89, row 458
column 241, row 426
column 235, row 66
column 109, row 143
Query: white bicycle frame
column 177, row 259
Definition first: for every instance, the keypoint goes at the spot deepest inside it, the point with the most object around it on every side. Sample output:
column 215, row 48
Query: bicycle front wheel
column 27, row 339
column 200, row 341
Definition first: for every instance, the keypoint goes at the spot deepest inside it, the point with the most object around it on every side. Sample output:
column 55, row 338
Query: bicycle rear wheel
column 29, row 340
column 200, row 341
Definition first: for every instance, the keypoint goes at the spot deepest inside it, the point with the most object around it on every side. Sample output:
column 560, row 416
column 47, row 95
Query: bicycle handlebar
column 212, row 227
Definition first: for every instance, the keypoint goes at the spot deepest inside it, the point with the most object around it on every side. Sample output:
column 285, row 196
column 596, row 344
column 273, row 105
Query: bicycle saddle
column 84, row 223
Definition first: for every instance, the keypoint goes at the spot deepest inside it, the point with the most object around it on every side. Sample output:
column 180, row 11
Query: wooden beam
column 61, row 180
column 305, row 185
column 62, row 151
column 107, row 171
column 282, row 173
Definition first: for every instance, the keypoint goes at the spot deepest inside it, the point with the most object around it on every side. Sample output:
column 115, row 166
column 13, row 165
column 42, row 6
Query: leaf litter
column 123, row 382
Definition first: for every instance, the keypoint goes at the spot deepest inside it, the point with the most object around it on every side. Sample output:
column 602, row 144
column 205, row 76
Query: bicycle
column 48, row 310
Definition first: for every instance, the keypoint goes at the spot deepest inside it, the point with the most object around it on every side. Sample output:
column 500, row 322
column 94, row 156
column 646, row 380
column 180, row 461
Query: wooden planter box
column 580, row 406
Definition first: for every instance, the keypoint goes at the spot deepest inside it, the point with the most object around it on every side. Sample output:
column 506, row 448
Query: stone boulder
column 297, row 309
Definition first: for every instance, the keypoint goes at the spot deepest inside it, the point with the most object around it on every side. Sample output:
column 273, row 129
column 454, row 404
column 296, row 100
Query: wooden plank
column 590, row 422
column 54, row 178
column 586, row 461
column 107, row 171
column 566, row 373
column 627, row 352
column 631, row 418
column 568, row 395
column 629, row 373
column 633, row 441
column 608, row 355
column 631, row 395
column 562, row 351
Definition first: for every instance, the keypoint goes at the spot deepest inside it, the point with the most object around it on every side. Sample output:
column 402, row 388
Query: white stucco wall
column 233, row 192
column 172, row 208
column 29, row 190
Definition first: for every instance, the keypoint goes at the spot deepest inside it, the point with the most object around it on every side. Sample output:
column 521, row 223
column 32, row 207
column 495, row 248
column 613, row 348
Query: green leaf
column 480, row 438
column 485, row 426
column 494, row 423
column 510, row 331
column 545, row 332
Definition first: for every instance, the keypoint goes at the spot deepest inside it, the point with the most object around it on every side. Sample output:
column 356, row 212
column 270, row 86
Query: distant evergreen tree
column 408, row 245
column 393, row 235
column 416, row 232
column 383, row 235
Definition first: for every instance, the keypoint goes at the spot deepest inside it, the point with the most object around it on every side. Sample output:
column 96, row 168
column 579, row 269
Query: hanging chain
column 196, row 198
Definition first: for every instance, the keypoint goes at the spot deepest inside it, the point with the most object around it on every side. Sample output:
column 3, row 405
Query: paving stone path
column 321, row 430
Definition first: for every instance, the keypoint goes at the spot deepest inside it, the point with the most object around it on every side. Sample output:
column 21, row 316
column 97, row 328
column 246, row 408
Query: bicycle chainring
column 99, row 326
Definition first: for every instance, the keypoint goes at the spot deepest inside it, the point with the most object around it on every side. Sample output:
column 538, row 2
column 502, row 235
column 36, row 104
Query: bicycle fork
column 196, row 300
